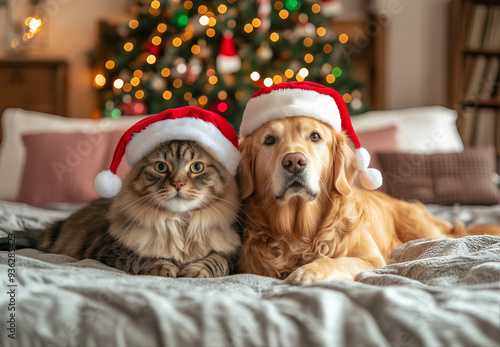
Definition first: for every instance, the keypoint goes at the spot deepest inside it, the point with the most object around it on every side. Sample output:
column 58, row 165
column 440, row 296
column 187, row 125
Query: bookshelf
column 473, row 81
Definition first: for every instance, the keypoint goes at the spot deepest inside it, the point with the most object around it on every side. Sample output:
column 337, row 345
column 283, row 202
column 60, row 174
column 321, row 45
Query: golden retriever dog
column 305, row 221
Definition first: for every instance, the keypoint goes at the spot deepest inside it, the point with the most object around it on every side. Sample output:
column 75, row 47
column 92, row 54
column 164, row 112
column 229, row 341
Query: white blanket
column 440, row 292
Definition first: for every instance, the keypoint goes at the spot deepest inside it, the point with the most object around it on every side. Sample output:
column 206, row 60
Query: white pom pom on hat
column 107, row 184
column 309, row 99
column 207, row 128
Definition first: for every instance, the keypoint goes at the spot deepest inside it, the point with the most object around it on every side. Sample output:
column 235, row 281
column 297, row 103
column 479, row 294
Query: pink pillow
column 61, row 167
column 377, row 141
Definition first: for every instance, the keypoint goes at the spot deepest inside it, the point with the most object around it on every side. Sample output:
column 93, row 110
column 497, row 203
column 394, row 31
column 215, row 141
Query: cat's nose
column 177, row 185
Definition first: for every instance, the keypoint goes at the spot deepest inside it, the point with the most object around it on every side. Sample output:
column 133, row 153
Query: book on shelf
column 477, row 26
column 492, row 31
column 484, row 28
column 490, row 76
column 476, row 76
column 486, row 127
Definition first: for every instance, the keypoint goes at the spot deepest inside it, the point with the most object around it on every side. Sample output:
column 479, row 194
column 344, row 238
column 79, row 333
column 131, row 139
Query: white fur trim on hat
column 283, row 103
column 107, row 184
column 228, row 64
column 193, row 129
column 370, row 178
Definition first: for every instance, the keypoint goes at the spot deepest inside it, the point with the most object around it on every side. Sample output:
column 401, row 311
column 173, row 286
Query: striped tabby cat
column 176, row 216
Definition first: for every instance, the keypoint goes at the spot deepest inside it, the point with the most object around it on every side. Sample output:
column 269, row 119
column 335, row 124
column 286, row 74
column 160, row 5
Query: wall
column 416, row 72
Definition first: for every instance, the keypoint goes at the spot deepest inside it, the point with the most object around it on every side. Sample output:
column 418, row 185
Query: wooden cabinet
column 36, row 85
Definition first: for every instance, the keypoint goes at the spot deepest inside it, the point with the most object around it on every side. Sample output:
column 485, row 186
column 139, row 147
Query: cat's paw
column 196, row 270
column 164, row 268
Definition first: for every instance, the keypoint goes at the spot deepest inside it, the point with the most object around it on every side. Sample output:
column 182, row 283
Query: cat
column 175, row 216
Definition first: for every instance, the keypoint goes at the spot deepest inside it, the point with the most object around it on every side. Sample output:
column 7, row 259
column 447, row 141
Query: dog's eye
column 315, row 137
column 270, row 140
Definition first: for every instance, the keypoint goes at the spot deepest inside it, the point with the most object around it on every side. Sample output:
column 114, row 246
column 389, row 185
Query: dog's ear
column 246, row 169
column 344, row 165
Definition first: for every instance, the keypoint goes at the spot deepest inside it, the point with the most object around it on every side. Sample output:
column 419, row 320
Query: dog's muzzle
column 295, row 180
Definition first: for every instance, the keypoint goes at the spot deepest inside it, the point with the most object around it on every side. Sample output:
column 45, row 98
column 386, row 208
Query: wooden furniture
column 471, row 92
column 35, row 85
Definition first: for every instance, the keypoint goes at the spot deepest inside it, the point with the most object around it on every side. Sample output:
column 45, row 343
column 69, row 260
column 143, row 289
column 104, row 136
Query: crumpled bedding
column 437, row 293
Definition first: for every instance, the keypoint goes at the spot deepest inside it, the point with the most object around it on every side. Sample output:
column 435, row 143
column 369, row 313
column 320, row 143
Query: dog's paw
column 164, row 268
column 196, row 270
column 305, row 275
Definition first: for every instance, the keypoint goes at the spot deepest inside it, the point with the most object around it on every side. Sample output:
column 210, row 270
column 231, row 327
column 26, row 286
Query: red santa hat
column 207, row 128
column 228, row 60
column 291, row 99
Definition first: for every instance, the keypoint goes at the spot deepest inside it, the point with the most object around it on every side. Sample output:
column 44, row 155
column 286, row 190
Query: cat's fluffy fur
column 151, row 227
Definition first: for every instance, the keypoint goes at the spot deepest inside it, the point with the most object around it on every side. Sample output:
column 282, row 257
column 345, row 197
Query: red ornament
column 221, row 106
column 133, row 108
column 228, row 60
column 152, row 49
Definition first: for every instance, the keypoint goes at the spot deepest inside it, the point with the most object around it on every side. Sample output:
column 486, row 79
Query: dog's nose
column 294, row 162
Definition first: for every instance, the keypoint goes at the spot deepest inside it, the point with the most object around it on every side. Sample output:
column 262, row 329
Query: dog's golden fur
column 326, row 229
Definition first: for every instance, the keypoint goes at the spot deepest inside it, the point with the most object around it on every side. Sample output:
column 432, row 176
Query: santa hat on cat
column 290, row 99
column 207, row 128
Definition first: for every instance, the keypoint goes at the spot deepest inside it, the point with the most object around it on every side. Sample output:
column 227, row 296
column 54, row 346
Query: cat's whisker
column 239, row 220
column 322, row 181
column 267, row 186
column 216, row 203
column 239, row 207
column 136, row 201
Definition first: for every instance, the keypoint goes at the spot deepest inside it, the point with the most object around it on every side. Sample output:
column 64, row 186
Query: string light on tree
column 118, row 83
column 255, row 76
column 343, row 38
column 337, row 72
column 99, row 80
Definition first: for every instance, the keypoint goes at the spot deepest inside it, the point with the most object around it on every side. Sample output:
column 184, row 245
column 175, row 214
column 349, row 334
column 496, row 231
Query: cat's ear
column 246, row 172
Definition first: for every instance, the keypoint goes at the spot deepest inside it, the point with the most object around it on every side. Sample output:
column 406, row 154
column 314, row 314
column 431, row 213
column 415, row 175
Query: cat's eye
column 196, row 167
column 270, row 140
column 315, row 137
column 161, row 167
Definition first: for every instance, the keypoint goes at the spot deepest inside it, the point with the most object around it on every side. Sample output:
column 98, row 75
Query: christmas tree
column 216, row 54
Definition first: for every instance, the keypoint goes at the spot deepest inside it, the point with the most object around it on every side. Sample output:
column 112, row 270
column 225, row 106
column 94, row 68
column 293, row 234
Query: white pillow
column 421, row 130
column 17, row 122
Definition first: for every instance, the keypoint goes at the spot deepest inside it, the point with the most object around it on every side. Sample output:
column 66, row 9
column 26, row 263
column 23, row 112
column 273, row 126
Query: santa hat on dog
column 313, row 100
column 207, row 128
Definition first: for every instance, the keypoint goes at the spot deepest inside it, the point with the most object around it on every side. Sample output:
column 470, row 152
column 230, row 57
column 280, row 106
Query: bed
column 437, row 292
